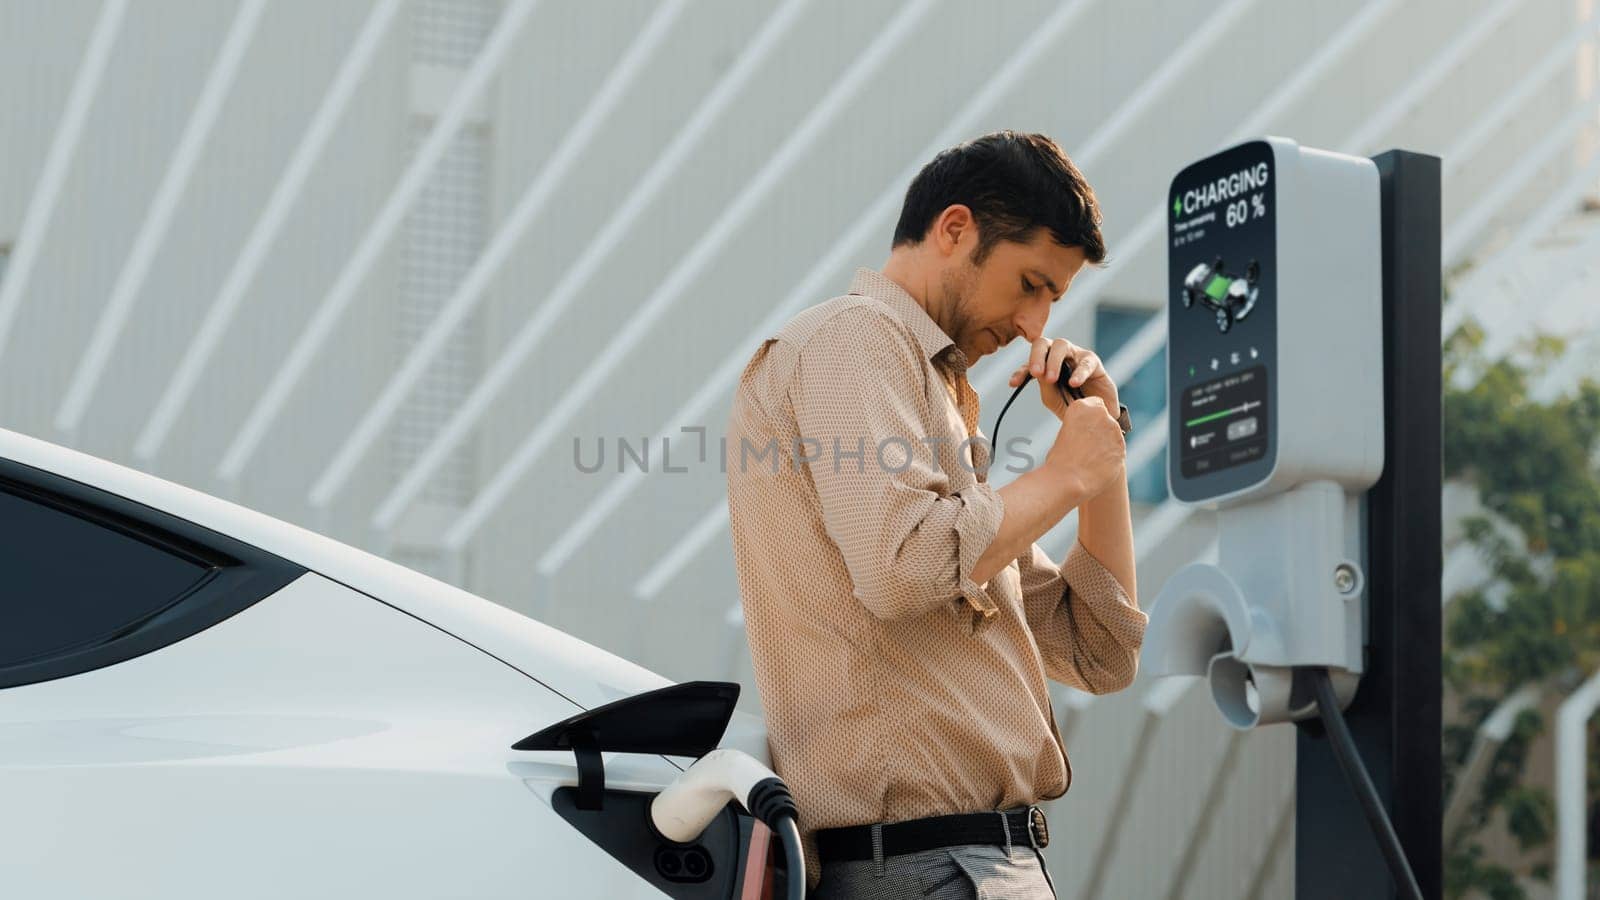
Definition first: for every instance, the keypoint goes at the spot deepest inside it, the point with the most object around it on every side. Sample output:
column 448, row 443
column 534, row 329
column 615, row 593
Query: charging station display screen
column 1222, row 322
column 1223, row 422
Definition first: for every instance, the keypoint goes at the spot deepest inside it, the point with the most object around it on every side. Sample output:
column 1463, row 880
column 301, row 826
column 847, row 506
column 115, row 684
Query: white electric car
column 201, row 701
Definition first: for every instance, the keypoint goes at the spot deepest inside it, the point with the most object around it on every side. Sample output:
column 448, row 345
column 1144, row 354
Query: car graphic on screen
column 1231, row 298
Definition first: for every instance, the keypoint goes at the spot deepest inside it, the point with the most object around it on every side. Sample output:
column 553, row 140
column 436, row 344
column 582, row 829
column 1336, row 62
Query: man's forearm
column 1034, row 502
column 1105, row 528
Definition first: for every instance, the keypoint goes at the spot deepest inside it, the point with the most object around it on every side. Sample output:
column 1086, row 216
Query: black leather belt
column 1023, row 825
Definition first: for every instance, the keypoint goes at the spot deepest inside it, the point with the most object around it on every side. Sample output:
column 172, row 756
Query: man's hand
column 1088, row 373
column 1089, row 447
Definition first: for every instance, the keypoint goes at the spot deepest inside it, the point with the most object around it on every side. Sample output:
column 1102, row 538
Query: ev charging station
column 1302, row 319
column 1277, row 420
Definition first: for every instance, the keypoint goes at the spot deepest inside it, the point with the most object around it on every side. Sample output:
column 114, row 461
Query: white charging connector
column 693, row 799
column 687, row 805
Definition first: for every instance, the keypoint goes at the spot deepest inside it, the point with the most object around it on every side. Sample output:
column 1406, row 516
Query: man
column 902, row 621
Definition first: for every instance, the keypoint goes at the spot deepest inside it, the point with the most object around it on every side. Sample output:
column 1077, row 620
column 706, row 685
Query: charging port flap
column 678, row 720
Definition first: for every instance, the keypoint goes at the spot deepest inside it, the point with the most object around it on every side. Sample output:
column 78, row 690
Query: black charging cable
column 1355, row 774
column 1068, row 393
column 794, row 858
column 772, row 803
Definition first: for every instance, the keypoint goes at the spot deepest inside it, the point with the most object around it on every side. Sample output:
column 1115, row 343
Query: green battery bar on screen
column 1217, row 287
column 1214, row 416
column 1241, row 408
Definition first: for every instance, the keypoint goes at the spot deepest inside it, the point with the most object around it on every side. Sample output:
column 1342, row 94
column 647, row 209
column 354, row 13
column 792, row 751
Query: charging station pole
column 1395, row 716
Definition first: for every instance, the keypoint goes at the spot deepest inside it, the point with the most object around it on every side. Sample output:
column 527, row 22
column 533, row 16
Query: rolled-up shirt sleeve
column 1088, row 629
column 908, row 542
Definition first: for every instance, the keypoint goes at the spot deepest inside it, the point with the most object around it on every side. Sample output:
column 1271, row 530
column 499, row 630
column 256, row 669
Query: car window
column 67, row 582
column 89, row 579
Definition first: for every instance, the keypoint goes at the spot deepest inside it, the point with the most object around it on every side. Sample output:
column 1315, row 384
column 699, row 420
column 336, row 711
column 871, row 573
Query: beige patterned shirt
column 895, row 686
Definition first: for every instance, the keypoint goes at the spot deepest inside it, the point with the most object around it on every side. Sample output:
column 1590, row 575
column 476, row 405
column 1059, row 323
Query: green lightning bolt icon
column 1177, row 206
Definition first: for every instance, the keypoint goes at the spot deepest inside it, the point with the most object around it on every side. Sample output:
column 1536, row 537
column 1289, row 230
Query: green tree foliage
column 1537, row 620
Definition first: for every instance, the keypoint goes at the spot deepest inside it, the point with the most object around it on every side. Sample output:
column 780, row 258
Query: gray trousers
column 964, row 872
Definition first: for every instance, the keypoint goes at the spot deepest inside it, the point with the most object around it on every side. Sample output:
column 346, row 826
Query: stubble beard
column 957, row 294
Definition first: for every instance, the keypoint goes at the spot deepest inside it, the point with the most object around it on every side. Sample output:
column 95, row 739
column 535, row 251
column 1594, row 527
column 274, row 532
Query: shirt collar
column 932, row 338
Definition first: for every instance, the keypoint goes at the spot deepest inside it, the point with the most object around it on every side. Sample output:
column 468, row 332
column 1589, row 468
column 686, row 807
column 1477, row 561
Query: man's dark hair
column 1013, row 183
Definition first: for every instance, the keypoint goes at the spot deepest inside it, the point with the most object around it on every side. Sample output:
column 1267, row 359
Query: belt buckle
column 1038, row 828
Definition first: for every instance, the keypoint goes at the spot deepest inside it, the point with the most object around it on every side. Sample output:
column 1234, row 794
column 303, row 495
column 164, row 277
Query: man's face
column 1009, row 294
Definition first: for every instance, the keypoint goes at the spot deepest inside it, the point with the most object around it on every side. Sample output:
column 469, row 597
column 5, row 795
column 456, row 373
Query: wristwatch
column 1122, row 418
